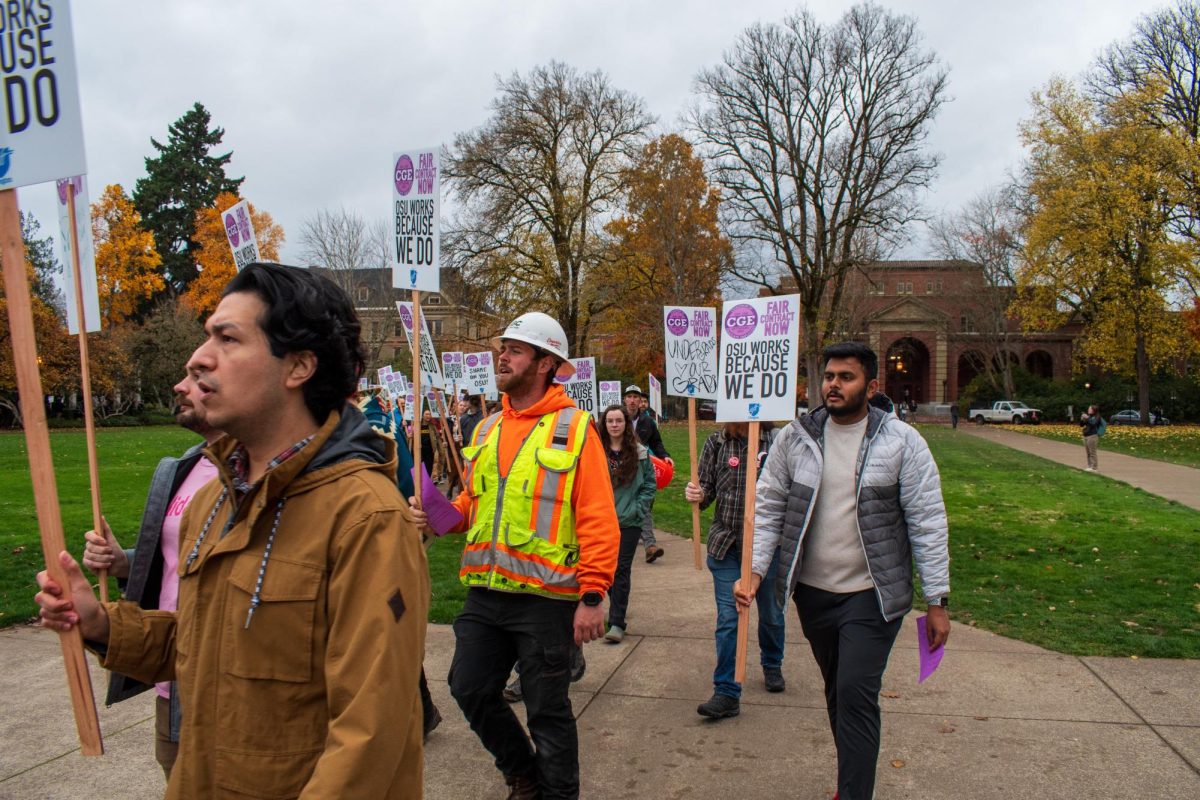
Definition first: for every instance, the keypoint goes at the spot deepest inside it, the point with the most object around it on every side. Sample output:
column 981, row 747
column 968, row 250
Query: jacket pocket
column 555, row 460
column 475, row 461
column 278, row 643
column 271, row 775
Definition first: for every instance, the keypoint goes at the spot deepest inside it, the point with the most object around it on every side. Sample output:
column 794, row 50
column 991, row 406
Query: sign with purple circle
column 677, row 322
column 472, row 360
column 404, row 175
column 406, row 317
column 231, row 230
column 741, row 321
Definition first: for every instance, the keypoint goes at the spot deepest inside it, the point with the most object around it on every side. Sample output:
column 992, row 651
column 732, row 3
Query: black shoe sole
column 719, row 714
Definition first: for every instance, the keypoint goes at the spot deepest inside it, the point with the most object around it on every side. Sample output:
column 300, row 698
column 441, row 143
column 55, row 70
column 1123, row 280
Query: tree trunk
column 1142, row 363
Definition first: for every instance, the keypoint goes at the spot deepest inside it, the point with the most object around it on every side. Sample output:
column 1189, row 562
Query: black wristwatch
column 592, row 599
column 943, row 601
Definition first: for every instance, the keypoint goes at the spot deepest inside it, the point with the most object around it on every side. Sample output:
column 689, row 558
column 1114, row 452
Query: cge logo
column 677, row 322
column 404, row 175
column 741, row 321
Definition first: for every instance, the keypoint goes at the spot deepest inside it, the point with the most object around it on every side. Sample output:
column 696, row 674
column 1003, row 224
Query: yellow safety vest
column 522, row 533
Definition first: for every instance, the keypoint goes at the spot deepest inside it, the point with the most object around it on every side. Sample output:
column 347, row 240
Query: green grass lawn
column 1071, row 561
column 1177, row 444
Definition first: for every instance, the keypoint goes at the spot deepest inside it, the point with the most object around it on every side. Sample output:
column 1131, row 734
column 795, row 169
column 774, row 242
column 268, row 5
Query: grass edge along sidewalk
column 1040, row 552
column 1174, row 444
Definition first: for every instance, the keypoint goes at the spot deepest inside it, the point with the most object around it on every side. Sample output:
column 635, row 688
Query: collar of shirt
column 239, row 464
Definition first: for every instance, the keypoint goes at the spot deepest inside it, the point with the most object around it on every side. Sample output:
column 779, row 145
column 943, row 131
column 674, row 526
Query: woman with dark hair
column 633, row 484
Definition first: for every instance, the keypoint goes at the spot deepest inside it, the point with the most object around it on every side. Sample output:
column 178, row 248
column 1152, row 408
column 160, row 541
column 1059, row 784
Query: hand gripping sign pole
column 85, row 380
column 758, row 364
column 41, row 465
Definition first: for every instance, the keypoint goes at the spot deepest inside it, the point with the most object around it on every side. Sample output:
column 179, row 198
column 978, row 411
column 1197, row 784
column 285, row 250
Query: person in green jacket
column 633, row 484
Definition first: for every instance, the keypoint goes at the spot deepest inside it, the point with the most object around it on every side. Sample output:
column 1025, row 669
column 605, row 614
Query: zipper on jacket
column 861, row 467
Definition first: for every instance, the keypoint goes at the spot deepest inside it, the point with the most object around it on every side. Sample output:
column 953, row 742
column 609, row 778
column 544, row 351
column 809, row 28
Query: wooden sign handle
column 418, row 417
column 449, row 437
column 85, row 382
column 743, row 637
column 695, row 478
column 41, row 463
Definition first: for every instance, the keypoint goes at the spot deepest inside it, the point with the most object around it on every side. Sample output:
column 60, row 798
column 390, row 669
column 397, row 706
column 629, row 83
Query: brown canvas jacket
column 318, row 697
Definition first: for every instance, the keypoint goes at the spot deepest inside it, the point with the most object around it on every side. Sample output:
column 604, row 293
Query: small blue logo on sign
column 5, row 164
column 412, row 277
column 754, row 409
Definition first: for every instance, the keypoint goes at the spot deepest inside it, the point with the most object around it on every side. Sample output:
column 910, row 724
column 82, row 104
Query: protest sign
column 452, row 367
column 364, row 384
column 431, row 370
column 416, row 198
column 610, row 394
column 690, row 337
column 87, row 255
column 383, row 373
column 479, row 374
column 239, row 230
column 41, row 135
column 655, row 396
column 581, row 387
column 758, row 359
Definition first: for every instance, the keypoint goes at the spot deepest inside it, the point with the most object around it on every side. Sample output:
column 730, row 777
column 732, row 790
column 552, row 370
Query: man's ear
column 872, row 387
column 301, row 367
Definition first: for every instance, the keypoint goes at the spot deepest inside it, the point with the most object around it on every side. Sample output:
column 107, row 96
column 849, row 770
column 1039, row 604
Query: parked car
column 706, row 409
column 1132, row 416
column 1006, row 411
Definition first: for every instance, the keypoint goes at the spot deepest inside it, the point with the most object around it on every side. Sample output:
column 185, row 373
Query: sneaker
column 512, row 692
column 615, row 634
column 1090, row 469
column 522, row 787
column 578, row 664
column 719, row 706
column 432, row 721
column 773, row 679
column 653, row 553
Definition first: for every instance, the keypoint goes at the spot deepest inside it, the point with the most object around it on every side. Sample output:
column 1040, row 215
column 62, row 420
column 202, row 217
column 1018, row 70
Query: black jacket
column 647, row 432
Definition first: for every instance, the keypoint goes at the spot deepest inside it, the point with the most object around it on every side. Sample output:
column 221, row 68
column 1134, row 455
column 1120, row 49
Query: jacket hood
column 352, row 438
column 553, row 400
column 814, row 422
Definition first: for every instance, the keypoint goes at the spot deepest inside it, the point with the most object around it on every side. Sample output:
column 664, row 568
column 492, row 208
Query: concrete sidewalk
column 1001, row 719
column 1172, row 481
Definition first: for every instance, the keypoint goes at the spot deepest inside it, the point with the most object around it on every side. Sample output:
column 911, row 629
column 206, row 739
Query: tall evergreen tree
column 182, row 179
column 40, row 253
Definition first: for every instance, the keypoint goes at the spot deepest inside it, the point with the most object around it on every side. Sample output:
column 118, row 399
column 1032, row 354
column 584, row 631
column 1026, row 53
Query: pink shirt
column 168, row 596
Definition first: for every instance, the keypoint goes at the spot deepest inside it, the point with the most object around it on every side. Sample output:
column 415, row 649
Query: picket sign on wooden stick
column 743, row 637
column 417, row 415
column 454, row 459
column 41, row 464
column 695, row 478
column 85, row 381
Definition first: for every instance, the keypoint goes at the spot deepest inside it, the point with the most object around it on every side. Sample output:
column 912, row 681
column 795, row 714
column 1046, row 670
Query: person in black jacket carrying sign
column 647, row 432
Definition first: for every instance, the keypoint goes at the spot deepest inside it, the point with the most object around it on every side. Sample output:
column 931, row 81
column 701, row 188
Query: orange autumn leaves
column 216, row 259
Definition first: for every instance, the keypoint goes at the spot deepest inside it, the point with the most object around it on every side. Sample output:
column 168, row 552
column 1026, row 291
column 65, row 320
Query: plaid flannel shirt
column 239, row 465
column 722, row 475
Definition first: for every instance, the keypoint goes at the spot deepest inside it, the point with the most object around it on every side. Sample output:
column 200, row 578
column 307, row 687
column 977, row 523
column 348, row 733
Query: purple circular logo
column 406, row 317
column 404, row 175
column 472, row 360
column 231, row 229
column 741, row 321
column 677, row 322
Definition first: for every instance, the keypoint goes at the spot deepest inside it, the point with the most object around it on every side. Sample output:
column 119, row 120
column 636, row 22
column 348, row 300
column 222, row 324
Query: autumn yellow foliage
column 128, row 267
column 214, row 257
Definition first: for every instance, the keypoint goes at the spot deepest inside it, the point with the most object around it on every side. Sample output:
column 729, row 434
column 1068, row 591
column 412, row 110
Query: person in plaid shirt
column 722, row 476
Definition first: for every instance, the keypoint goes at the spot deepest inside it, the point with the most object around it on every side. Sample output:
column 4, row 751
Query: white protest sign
column 363, row 384
column 431, row 370
column 383, row 373
column 41, row 133
column 87, row 255
column 610, row 394
column 655, row 396
column 691, row 350
column 452, row 367
column 581, row 387
column 758, row 359
column 479, row 375
column 239, row 230
column 416, row 198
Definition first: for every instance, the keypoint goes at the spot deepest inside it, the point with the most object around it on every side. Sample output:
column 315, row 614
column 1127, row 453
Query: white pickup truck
column 1006, row 411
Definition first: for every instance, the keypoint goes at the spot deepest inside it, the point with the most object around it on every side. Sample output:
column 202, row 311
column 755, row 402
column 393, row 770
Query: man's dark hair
column 857, row 350
column 306, row 311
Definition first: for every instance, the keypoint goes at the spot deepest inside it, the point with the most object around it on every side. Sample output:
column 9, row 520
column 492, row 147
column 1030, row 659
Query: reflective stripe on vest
column 522, row 530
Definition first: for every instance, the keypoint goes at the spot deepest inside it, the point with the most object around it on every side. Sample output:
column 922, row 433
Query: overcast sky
column 315, row 97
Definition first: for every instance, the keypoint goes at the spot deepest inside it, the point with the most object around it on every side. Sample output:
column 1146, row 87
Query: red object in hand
column 663, row 472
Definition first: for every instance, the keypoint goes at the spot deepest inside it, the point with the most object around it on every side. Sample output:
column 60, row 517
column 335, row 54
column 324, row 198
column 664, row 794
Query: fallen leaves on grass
column 897, row 763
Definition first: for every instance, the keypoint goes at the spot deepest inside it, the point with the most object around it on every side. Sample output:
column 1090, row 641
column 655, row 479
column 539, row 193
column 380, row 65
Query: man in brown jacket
column 303, row 588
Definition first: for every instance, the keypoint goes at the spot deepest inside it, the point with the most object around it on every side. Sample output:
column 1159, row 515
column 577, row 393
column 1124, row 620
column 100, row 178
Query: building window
column 435, row 327
column 399, row 328
column 364, row 294
column 433, row 299
column 964, row 323
column 904, row 287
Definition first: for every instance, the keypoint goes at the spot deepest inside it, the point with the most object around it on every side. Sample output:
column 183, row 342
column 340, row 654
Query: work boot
column 522, row 787
column 719, row 706
column 432, row 721
column 773, row 678
column 512, row 692
column 653, row 553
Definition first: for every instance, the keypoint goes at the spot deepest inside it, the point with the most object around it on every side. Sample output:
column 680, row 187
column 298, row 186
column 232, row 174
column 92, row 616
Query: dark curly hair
column 306, row 311
column 628, row 466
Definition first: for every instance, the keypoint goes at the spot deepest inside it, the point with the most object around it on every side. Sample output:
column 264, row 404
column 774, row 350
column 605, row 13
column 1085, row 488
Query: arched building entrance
column 906, row 371
column 1040, row 363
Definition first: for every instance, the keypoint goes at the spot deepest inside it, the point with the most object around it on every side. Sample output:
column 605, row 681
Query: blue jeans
column 770, row 621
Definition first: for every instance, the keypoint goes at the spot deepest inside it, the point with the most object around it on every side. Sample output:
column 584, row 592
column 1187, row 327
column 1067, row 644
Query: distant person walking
column 954, row 416
column 1091, row 422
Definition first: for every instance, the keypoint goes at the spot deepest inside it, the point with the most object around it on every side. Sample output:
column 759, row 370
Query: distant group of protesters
column 278, row 590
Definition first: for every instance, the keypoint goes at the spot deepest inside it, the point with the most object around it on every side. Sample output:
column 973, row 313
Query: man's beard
column 852, row 405
column 188, row 419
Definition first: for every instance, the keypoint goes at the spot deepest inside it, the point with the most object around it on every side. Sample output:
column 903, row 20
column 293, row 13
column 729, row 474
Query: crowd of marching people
column 275, row 596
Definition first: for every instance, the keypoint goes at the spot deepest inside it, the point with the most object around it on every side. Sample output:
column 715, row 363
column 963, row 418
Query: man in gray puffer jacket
column 852, row 496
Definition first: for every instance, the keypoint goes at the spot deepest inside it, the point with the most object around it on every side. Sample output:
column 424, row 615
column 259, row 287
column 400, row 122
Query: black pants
column 851, row 643
column 619, row 596
column 493, row 630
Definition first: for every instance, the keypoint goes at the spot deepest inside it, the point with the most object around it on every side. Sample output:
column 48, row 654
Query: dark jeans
column 493, row 630
column 618, row 598
column 770, row 621
column 851, row 643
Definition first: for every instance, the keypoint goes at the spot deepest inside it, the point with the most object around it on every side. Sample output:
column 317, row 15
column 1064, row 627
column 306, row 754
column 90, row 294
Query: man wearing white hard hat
column 542, row 540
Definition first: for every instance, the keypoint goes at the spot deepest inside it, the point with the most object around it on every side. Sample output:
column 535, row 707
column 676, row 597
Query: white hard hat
column 541, row 331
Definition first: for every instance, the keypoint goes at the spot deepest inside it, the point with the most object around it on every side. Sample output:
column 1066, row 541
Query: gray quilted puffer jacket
column 901, row 516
